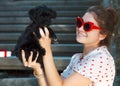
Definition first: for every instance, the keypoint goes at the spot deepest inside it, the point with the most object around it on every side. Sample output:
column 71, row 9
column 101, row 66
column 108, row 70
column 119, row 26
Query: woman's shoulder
column 76, row 56
column 100, row 51
column 104, row 51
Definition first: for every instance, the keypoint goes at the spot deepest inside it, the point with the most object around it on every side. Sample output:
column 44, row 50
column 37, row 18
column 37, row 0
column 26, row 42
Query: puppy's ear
column 52, row 13
column 41, row 12
column 32, row 14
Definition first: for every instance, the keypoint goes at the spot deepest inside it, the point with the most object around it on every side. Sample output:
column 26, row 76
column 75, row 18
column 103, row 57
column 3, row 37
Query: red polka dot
column 96, row 78
column 90, row 76
column 83, row 70
column 90, row 68
column 90, row 72
column 83, row 75
column 92, row 64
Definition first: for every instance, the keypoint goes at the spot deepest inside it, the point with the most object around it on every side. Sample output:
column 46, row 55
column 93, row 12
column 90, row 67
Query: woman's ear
column 102, row 36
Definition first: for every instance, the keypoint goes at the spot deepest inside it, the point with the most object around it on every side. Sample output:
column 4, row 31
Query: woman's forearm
column 52, row 74
column 42, row 81
column 40, row 77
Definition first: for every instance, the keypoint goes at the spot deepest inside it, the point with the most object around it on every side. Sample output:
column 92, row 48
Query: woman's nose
column 80, row 28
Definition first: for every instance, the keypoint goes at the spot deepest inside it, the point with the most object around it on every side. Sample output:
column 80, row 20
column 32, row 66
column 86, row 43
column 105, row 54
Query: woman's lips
column 81, row 34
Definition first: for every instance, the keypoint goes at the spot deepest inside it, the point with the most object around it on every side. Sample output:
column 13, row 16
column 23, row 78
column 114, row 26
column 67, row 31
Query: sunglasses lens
column 87, row 26
column 79, row 23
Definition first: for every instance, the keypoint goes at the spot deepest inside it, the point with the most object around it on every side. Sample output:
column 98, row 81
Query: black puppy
column 41, row 17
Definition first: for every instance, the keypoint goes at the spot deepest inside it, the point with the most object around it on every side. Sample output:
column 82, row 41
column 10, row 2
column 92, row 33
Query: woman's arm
column 40, row 77
column 38, row 71
column 51, row 72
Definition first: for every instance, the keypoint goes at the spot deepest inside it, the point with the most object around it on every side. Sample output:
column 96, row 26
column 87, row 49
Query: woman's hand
column 45, row 40
column 38, row 71
column 32, row 64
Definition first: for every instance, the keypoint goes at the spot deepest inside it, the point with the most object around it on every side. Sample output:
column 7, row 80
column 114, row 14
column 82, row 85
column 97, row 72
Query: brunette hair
column 107, row 19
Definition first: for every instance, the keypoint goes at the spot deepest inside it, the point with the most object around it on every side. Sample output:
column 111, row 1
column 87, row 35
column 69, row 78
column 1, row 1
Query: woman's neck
column 88, row 48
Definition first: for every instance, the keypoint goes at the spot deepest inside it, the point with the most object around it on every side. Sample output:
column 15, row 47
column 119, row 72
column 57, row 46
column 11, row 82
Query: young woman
column 95, row 66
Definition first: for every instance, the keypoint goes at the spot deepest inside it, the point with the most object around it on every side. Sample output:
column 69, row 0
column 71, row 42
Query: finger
column 41, row 32
column 30, row 59
column 23, row 58
column 46, row 31
column 36, row 57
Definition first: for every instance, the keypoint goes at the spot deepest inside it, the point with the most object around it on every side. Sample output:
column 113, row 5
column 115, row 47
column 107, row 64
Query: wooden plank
column 26, row 8
column 58, row 28
column 22, row 13
column 10, row 63
column 62, row 37
column 13, row 63
column 26, row 20
column 51, row 3
column 56, row 48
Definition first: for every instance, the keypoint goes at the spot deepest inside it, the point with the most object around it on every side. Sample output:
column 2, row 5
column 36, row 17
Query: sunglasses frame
column 91, row 25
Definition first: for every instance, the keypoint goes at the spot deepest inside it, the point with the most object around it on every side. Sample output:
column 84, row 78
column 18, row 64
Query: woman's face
column 92, row 37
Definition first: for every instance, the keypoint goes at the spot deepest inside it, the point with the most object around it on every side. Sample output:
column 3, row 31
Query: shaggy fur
column 28, row 41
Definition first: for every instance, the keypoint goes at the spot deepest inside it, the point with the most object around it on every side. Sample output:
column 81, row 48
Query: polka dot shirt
column 98, row 66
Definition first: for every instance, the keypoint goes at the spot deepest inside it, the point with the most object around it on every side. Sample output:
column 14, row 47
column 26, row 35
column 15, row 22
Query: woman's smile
column 81, row 34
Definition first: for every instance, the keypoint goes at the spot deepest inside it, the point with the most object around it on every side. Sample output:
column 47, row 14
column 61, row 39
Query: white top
column 98, row 66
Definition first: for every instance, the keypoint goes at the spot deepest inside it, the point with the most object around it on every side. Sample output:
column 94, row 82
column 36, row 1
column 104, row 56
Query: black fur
column 28, row 41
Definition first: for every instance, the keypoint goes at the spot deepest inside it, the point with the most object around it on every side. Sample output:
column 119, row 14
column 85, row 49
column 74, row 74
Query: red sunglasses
column 87, row 26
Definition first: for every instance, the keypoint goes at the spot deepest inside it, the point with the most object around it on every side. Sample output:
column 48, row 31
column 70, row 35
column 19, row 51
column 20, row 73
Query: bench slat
column 26, row 20
column 63, row 38
column 59, row 28
column 13, row 63
column 26, row 8
column 53, row 2
column 58, row 49
column 25, row 13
